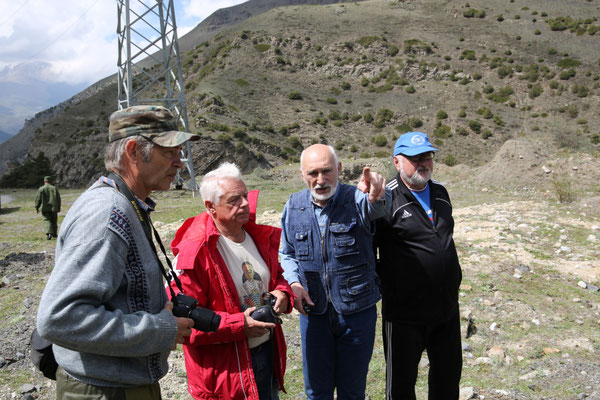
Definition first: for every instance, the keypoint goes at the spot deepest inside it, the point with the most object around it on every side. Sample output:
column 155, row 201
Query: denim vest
column 338, row 267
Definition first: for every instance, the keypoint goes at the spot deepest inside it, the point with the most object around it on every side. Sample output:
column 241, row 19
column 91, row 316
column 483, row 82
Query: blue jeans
column 262, row 365
column 336, row 351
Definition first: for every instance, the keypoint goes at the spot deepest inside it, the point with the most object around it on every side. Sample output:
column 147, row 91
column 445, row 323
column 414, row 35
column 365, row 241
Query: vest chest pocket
column 303, row 244
column 344, row 239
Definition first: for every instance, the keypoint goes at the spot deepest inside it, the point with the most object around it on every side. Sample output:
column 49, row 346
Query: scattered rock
column 467, row 393
column 27, row 388
column 483, row 361
column 550, row 350
column 496, row 352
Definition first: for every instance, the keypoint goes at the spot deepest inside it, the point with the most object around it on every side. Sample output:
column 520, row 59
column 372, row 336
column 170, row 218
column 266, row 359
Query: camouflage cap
column 48, row 179
column 155, row 123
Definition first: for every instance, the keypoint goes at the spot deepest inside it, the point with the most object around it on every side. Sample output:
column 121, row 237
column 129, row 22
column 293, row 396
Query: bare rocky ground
column 530, row 293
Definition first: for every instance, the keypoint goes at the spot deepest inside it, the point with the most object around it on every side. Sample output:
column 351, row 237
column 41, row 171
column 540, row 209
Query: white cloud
column 203, row 8
column 74, row 39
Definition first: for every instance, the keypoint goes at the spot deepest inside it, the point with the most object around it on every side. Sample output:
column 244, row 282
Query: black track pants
column 404, row 344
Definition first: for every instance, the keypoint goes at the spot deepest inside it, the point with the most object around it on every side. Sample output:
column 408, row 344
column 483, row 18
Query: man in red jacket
column 227, row 262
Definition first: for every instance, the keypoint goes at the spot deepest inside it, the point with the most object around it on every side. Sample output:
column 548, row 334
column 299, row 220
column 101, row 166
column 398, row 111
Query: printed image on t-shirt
column 251, row 289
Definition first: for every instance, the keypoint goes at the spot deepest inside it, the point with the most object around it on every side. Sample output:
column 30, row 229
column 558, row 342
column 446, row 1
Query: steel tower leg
column 149, row 65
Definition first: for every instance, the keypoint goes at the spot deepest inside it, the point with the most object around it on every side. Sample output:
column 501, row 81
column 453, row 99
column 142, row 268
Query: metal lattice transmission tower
column 149, row 64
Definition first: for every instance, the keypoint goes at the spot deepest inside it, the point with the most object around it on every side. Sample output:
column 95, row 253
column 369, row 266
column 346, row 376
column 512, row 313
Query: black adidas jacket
column 417, row 261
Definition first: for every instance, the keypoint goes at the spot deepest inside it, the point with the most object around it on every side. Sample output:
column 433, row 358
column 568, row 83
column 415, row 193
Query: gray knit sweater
column 102, row 306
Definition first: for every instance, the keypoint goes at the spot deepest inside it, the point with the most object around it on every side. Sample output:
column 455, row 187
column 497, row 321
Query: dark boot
column 48, row 236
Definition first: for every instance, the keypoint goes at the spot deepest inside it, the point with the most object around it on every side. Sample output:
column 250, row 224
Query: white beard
column 323, row 197
column 419, row 178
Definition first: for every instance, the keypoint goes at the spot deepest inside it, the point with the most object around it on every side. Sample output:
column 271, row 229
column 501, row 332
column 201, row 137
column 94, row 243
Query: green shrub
column 462, row 113
column 410, row 89
column 368, row 118
column 334, row 115
column 379, row 140
column 475, row 126
column 567, row 74
column 295, row 142
column 366, row 41
column 502, row 95
column 393, row 50
column 385, row 114
column 498, row 121
column 468, row 55
column 553, row 84
column 346, row 86
column 442, row 131
column 462, row 131
column 504, row 71
column 364, row 82
column 331, row 100
column 294, row 95
column 262, row 47
column 441, row 114
column 568, row 63
column 403, row 128
column 535, row 91
column 580, row 90
column 486, row 133
column 563, row 190
column 241, row 82
column 450, row 160
column 415, row 122
column 415, row 46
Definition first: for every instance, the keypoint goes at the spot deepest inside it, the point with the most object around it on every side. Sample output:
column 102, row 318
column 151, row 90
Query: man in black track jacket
column 420, row 275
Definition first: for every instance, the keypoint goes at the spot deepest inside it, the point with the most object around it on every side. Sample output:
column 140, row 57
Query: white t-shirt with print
column 249, row 273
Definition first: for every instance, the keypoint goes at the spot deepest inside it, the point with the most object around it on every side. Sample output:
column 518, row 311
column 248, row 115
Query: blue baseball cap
column 412, row 144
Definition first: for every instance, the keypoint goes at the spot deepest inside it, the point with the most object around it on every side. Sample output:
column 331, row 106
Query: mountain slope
column 4, row 136
column 356, row 75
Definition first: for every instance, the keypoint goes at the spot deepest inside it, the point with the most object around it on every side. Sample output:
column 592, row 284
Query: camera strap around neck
column 144, row 218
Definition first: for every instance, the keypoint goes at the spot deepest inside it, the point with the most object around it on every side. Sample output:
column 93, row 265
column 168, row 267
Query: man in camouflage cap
column 106, row 289
column 48, row 199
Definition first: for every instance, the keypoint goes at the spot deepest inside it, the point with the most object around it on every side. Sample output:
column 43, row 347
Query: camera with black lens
column 205, row 320
column 266, row 312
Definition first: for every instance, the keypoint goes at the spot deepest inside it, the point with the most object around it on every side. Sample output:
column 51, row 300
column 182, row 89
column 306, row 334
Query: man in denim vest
column 327, row 257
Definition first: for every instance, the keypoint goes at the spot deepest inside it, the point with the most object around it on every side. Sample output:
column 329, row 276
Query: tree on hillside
column 29, row 175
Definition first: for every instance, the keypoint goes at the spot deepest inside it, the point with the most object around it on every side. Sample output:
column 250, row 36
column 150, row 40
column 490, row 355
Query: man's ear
column 397, row 162
column 131, row 150
column 339, row 168
column 210, row 207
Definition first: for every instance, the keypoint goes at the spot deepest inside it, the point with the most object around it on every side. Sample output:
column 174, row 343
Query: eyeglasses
column 421, row 157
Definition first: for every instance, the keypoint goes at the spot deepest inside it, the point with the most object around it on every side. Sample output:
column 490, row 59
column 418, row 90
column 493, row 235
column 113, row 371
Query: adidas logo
column 406, row 214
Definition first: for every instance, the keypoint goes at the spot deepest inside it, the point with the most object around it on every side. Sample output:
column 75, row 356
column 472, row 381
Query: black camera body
column 205, row 320
column 266, row 312
column 307, row 307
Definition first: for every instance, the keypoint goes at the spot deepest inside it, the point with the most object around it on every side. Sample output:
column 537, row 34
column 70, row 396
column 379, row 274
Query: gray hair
column 331, row 149
column 210, row 190
column 115, row 150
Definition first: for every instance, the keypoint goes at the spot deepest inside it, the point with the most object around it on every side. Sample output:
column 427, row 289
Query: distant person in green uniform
column 48, row 199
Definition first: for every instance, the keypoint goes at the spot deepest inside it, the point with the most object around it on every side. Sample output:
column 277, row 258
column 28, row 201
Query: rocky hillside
column 355, row 75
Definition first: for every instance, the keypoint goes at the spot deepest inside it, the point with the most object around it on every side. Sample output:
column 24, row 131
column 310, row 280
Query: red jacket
column 218, row 364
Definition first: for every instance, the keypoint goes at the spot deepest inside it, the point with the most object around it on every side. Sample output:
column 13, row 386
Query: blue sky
column 50, row 49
